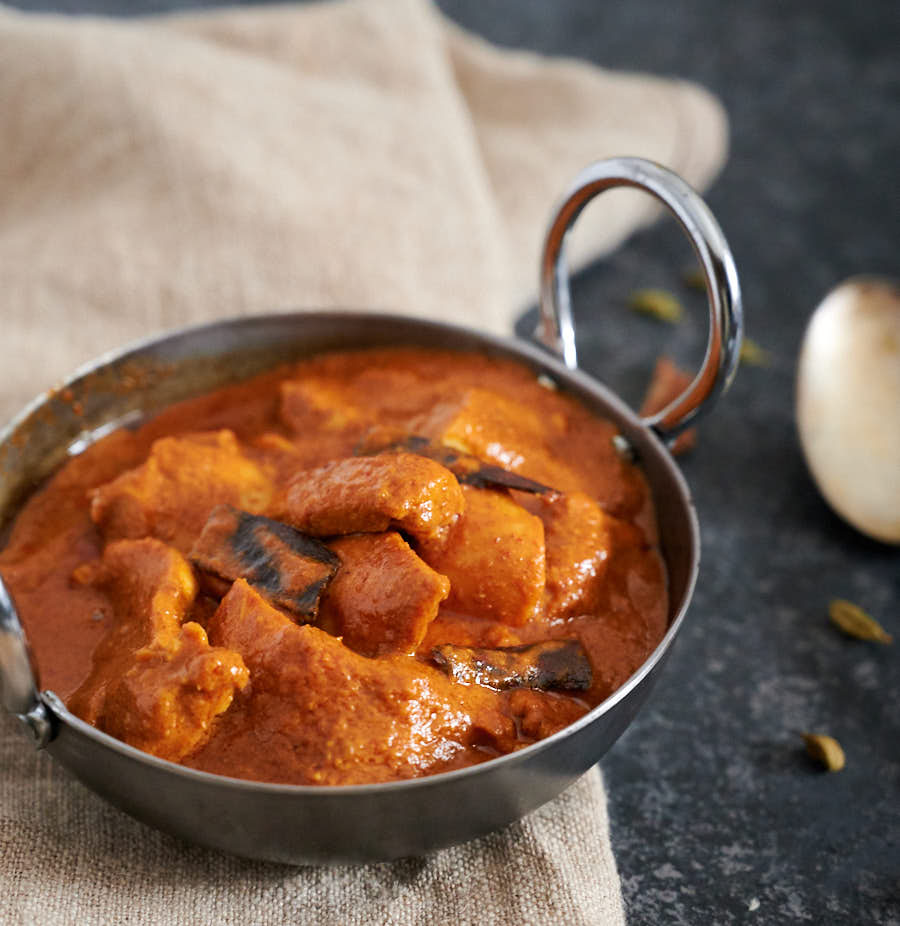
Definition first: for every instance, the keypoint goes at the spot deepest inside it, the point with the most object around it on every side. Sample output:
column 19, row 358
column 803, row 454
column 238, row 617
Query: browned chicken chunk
column 172, row 494
column 485, row 424
column 310, row 405
column 166, row 701
column 383, row 597
column 494, row 558
column 578, row 543
column 371, row 494
column 157, row 684
column 499, row 430
column 352, row 719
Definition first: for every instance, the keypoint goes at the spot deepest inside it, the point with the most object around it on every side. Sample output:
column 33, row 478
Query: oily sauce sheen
column 325, row 576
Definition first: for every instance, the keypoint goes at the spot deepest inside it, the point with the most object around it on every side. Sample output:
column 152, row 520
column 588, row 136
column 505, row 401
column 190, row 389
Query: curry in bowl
column 369, row 566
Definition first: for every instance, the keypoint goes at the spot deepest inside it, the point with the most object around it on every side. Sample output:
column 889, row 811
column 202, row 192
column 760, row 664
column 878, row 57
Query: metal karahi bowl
column 309, row 824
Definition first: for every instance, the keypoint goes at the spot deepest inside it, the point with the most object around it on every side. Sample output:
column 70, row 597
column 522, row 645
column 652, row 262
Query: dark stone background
column 715, row 807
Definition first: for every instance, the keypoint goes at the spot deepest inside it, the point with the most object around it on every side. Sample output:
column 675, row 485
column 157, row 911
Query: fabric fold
column 356, row 154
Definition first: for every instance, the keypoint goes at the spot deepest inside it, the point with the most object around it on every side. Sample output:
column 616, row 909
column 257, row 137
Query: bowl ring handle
column 556, row 330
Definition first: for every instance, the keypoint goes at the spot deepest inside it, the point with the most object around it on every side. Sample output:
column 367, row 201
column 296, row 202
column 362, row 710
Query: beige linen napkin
column 364, row 154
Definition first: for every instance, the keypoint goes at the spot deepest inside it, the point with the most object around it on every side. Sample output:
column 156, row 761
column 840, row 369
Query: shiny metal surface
column 299, row 824
column 556, row 328
column 18, row 674
column 18, row 686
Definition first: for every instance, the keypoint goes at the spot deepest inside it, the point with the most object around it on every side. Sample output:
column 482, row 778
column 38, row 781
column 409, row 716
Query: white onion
column 848, row 404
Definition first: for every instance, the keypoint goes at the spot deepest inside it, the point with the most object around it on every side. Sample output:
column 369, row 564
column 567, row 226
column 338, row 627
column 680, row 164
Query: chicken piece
column 150, row 587
column 342, row 401
column 485, row 424
column 394, row 394
column 371, row 494
column 171, row 495
column 463, row 630
column 316, row 405
column 577, row 542
column 324, row 418
column 318, row 713
column 552, row 664
column 289, row 568
column 383, row 597
column 166, row 701
column 156, row 683
column 498, row 430
column 494, row 558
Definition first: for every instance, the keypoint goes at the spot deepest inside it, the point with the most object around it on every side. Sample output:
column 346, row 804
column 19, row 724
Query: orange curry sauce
column 128, row 579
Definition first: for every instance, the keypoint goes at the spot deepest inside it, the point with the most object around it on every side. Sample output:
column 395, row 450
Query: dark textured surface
column 718, row 816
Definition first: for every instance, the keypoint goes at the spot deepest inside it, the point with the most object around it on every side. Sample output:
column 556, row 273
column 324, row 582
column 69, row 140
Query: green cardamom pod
column 826, row 750
column 856, row 623
column 657, row 303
